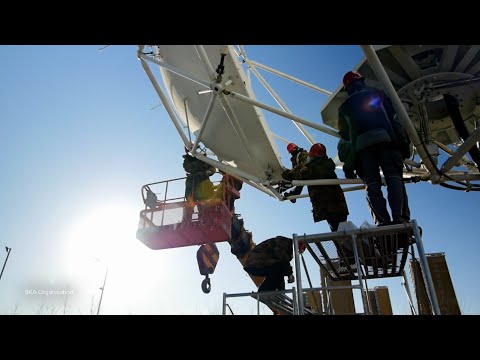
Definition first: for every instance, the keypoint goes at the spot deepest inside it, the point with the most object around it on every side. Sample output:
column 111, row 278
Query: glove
column 291, row 279
column 287, row 195
column 286, row 174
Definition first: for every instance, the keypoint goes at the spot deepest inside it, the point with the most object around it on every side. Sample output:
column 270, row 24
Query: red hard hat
column 291, row 147
column 350, row 77
column 317, row 150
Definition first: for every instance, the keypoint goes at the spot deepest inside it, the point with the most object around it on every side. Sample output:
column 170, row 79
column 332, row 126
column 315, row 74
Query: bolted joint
column 216, row 88
column 435, row 179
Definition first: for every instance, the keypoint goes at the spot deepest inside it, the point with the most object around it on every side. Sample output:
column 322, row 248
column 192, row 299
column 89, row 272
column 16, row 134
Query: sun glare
column 101, row 239
column 102, row 232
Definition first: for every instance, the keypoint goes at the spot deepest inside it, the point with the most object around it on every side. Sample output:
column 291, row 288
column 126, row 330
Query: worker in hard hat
column 298, row 156
column 198, row 186
column 228, row 190
column 271, row 258
column 328, row 201
column 369, row 125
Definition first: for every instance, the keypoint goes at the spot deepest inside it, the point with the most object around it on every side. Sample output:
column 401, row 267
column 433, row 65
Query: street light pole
column 102, row 288
column 9, row 250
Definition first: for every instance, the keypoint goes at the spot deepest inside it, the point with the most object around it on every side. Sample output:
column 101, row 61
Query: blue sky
column 78, row 140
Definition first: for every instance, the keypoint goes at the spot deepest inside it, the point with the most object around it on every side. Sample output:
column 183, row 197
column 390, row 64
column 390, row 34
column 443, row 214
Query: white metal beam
column 313, row 125
column 345, row 189
column 174, row 70
column 447, row 58
column 462, row 177
column 166, row 103
column 208, row 65
column 279, row 101
column 289, row 77
column 405, row 61
column 278, row 195
column 399, row 108
column 400, row 80
column 474, row 69
column 236, row 126
column 242, row 51
column 467, row 59
column 326, row 182
column 260, row 187
column 462, row 150
column 252, row 180
column 353, row 188
column 227, row 168
column 281, row 138
column 204, row 121
column 464, row 161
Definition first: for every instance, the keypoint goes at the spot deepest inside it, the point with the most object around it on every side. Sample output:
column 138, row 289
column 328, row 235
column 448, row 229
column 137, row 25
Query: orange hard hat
column 350, row 77
column 317, row 150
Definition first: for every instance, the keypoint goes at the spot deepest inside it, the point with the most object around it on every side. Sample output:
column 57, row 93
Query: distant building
column 372, row 302
column 379, row 301
column 384, row 306
column 423, row 302
column 442, row 283
column 342, row 302
column 447, row 300
column 313, row 301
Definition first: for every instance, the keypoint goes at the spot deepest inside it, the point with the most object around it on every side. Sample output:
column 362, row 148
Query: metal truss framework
column 424, row 170
column 356, row 237
column 363, row 265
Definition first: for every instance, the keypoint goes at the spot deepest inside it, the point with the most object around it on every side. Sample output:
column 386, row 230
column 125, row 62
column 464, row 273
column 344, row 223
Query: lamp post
column 102, row 288
column 8, row 250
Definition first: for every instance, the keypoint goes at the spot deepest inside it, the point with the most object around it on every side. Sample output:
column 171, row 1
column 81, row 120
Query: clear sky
column 78, row 140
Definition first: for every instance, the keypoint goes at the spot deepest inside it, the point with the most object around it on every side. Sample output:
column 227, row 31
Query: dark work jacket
column 198, row 183
column 299, row 157
column 364, row 118
column 346, row 155
column 327, row 200
column 269, row 252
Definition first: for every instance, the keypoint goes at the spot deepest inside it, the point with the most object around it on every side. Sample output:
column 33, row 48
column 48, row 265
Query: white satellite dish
column 209, row 97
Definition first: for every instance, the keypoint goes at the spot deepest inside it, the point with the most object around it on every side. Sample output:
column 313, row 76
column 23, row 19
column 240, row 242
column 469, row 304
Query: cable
column 467, row 187
column 457, row 187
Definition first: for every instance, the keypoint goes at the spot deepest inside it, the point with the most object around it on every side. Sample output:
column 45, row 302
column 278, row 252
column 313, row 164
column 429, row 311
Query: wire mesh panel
column 380, row 255
column 281, row 303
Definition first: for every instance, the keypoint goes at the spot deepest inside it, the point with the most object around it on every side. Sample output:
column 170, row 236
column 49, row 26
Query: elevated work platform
column 174, row 222
column 165, row 227
column 382, row 254
column 347, row 259
column 353, row 254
